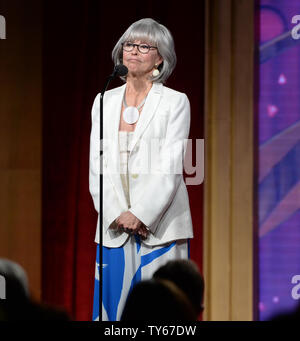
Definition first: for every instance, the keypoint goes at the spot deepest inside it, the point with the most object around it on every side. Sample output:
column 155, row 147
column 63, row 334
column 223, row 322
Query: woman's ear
column 160, row 65
column 160, row 61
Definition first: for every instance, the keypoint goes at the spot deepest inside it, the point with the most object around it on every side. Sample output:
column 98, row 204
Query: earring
column 155, row 71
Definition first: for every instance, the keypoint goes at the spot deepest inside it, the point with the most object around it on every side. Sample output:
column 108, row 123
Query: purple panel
column 279, row 157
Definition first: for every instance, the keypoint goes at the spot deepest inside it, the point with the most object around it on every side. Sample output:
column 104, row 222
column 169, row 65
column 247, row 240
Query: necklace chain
column 138, row 107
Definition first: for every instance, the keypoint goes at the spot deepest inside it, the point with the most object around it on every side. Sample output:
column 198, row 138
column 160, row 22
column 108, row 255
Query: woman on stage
column 146, row 212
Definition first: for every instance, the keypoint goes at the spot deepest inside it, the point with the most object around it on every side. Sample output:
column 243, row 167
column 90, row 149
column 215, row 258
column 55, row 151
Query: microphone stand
column 117, row 71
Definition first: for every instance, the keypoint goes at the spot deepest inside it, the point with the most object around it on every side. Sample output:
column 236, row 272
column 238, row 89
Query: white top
column 125, row 138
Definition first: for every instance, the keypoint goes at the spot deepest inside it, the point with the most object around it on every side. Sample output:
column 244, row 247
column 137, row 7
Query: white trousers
column 123, row 267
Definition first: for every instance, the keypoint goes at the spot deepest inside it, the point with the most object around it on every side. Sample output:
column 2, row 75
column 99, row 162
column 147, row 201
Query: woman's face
column 140, row 64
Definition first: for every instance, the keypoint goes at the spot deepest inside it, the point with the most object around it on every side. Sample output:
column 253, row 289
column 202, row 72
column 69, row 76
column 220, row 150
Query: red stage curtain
column 78, row 37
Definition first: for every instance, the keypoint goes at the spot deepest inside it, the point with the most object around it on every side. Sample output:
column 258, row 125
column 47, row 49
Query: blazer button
column 134, row 176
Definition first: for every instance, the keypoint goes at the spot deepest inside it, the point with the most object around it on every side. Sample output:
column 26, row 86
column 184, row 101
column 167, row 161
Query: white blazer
column 158, row 194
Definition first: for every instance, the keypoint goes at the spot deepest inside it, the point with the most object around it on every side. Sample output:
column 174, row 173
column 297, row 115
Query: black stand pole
column 101, row 200
column 119, row 70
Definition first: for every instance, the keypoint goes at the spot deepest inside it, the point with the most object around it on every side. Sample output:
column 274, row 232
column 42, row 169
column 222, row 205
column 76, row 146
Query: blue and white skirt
column 124, row 266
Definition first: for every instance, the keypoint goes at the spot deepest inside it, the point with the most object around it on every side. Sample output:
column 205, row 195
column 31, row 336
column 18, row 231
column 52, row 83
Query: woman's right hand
column 143, row 231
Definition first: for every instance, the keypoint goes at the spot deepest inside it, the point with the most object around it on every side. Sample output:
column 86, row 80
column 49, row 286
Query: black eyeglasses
column 143, row 48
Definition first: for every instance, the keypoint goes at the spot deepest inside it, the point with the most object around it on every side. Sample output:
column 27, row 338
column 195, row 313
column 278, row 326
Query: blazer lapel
column 111, row 132
column 147, row 114
column 112, row 118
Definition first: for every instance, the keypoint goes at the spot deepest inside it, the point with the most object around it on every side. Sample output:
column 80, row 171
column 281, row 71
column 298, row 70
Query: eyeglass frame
column 138, row 47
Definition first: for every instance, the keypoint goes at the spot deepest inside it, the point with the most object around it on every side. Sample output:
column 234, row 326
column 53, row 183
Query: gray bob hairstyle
column 151, row 32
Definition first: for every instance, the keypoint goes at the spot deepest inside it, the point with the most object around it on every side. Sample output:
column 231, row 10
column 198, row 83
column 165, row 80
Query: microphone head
column 120, row 70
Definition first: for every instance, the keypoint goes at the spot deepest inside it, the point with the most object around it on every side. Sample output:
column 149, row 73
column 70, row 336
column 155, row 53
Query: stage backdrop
column 78, row 37
column 279, row 157
column 21, row 137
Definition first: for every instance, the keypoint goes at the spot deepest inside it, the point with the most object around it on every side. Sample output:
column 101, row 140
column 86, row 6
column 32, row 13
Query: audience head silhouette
column 17, row 303
column 184, row 273
column 156, row 301
column 15, row 281
column 292, row 315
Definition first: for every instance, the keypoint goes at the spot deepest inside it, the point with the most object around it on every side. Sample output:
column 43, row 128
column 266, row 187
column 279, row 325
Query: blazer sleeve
column 111, row 208
column 161, row 190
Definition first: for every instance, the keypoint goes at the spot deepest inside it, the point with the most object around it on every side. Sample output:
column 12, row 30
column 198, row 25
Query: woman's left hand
column 129, row 222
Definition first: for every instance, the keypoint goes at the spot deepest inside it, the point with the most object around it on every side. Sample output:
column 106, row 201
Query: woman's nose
column 135, row 49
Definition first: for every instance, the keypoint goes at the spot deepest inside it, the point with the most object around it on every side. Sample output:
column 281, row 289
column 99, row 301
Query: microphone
column 119, row 70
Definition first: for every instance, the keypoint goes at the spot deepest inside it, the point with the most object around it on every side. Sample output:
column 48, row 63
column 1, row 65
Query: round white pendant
column 130, row 115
